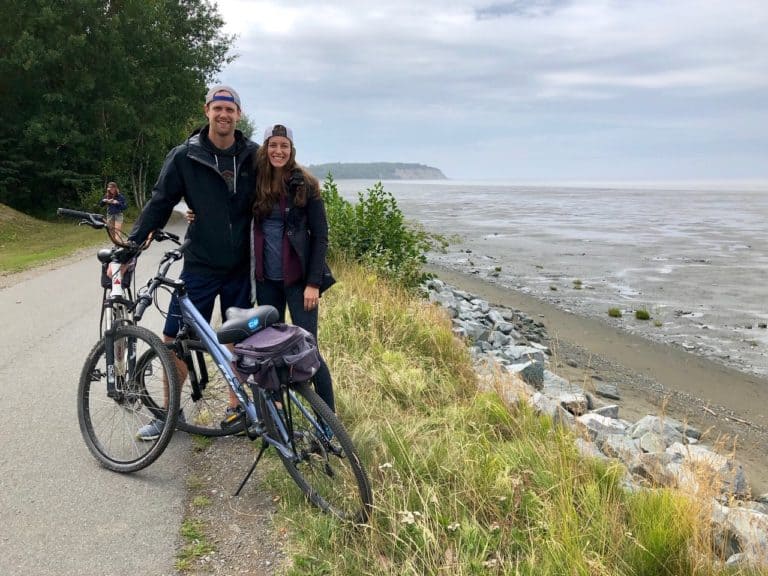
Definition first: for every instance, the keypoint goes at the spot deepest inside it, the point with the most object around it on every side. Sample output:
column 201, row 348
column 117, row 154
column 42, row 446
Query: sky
column 520, row 91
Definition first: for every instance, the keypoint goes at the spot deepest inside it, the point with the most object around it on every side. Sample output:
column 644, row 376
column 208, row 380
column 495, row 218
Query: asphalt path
column 61, row 513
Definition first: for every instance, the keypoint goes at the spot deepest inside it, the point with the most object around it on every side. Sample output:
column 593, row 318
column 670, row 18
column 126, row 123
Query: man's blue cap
column 213, row 95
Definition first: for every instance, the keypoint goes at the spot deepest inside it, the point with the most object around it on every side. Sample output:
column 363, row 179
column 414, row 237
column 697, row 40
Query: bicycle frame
column 224, row 358
column 116, row 296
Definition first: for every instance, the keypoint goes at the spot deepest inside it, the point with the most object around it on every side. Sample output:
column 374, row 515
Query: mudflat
column 729, row 406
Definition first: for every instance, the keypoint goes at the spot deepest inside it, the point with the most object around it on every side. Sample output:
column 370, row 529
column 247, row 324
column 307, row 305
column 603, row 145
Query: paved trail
column 61, row 513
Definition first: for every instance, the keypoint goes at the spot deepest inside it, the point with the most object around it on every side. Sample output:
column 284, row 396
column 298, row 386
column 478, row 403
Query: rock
column 607, row 391
column 544, row 404
column 710, row 470
column 662, row 426
column 742, row 531
column 599, row 426
column 654, row 468
column 588, row 449
column 620, row 446
column 532, row 372
column 652, row 442
column 610, row 411
column 575, row 403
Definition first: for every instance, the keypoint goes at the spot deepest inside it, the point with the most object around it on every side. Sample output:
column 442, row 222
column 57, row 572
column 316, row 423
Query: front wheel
column 110, row 420
column 324, row 464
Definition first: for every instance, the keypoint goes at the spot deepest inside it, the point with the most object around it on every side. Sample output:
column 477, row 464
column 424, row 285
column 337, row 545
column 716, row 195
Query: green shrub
column 374, row 233
column 614, row 312
column 642, row 314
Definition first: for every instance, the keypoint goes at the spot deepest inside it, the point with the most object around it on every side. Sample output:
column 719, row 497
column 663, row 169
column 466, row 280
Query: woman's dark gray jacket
column 306, row 228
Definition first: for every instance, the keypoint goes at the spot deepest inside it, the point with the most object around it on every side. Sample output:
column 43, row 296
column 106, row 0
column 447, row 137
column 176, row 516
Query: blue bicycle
column 270, row 374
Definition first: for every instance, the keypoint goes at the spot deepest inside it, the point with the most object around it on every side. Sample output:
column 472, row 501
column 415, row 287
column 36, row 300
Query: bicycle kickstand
column 264, row 446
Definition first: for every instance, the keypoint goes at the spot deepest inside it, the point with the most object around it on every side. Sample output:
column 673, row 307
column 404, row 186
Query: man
column 213, row 173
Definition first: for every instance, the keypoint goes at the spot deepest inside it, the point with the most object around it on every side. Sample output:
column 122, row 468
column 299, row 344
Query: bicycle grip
column 73, row 213
column 87, row 216
column 141, row 306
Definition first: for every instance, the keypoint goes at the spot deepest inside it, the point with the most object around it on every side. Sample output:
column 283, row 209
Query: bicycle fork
column 126, row 350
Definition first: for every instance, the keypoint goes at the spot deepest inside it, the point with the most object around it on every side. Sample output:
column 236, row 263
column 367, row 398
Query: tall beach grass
column 464, row 484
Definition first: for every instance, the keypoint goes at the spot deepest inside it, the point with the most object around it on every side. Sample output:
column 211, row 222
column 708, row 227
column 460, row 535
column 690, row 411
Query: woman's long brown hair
column 270, row 183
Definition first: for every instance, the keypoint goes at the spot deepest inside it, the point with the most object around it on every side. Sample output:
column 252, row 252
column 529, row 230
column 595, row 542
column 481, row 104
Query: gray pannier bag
column 279, row 353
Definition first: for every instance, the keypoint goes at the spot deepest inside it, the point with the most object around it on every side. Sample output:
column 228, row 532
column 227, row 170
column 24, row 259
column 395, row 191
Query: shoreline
column 653, row 378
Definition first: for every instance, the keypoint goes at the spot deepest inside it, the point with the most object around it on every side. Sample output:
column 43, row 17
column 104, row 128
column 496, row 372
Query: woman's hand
column 190, row 216
column 311, row 297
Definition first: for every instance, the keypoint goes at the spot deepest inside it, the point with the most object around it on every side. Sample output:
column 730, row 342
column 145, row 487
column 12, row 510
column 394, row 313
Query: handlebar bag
column 279, row 353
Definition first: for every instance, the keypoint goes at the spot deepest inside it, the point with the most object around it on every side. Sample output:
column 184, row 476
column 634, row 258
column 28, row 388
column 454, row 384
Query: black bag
column 279, row 353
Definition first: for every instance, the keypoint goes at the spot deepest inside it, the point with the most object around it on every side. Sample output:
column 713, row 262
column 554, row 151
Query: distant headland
column 377, row 170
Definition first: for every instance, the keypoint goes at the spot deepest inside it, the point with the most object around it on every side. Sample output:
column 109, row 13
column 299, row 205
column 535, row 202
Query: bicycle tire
column 328, row 472
column 109, row 425
column 204, row 395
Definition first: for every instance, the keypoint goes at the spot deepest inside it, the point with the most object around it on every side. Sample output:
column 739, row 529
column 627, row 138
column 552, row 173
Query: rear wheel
column 204, row 395
column 110, row 419
column 324, row 465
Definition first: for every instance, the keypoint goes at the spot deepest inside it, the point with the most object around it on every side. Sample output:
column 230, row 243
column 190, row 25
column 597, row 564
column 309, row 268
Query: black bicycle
column 114, row 397
column 204, row 393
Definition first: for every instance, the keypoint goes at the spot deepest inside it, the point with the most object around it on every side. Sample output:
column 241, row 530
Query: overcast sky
column 524, row 90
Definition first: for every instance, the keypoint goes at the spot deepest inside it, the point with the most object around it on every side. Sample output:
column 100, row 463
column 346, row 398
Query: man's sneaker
column 232, row 416
column 151, row 431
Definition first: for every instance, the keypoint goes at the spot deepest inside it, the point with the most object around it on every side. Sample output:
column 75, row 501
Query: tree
column 94, row 90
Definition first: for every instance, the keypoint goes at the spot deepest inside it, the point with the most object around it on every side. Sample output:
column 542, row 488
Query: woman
column 116, row 205
column 289, row 240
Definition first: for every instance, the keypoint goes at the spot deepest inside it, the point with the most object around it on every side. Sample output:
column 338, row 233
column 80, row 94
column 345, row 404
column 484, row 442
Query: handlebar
column 161, row 278
column 92, row 220
column 97, row 221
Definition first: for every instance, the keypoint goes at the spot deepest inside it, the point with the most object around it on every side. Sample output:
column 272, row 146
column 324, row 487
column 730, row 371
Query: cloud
column 430, row 81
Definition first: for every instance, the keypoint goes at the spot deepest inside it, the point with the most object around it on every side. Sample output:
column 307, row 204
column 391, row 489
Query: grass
column 463, row 483
column 642, row 314
column 26, row 242
column 614, row 312
column 196, row 544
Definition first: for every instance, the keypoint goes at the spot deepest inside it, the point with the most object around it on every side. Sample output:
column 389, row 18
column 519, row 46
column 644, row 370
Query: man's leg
column 202, row 292
column 235, row 292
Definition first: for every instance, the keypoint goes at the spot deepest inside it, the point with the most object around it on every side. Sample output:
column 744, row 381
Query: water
column 695, row 257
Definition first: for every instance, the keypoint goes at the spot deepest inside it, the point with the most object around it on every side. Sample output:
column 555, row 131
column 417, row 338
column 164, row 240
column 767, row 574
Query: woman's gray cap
column 278, row 130
column 211, row 96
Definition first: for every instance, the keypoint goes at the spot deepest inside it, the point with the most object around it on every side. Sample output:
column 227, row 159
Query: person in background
column 116, row 205
column 213, row 173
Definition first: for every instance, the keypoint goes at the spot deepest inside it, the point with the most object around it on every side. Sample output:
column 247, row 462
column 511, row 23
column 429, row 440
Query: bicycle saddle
column 104, row 255
column 242, row 322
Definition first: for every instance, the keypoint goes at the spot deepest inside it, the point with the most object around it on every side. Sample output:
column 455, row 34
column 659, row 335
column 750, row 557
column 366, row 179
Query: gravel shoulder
column 241, row 528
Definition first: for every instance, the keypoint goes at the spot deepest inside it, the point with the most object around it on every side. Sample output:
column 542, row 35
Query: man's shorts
column 233, row 290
